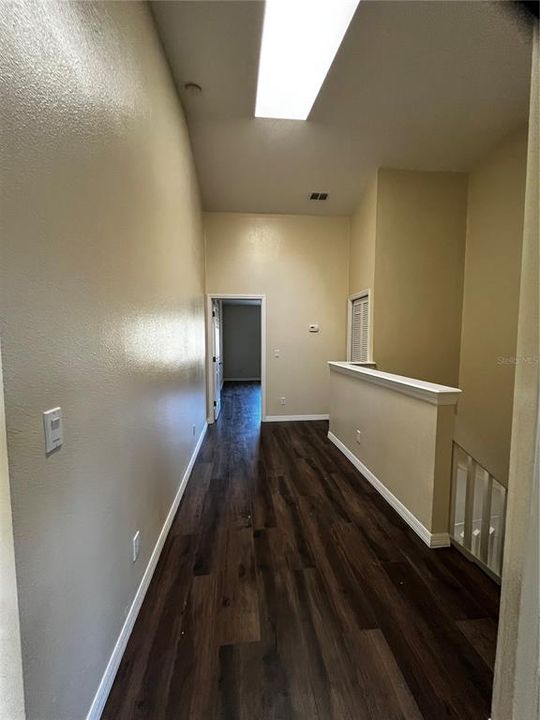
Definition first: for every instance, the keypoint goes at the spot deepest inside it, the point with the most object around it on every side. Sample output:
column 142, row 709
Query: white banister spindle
column 469, row 502
column 478, row 505
column 486, row 516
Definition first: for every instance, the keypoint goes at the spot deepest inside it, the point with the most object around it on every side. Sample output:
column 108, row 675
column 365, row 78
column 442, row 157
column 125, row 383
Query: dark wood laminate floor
column 288, row 588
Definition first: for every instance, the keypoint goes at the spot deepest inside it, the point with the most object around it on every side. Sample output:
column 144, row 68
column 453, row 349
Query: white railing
column 477, row 520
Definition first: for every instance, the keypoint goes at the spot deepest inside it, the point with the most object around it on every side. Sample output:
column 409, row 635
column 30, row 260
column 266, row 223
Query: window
column 359, row 328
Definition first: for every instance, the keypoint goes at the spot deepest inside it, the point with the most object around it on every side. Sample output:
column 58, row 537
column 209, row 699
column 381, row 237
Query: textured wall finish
column 102, row 314
column 491, row 290
column 301, row 264
column 516, row 693
column 408, row 246
column 363, row 242
column 419, row 273
column 11, row 678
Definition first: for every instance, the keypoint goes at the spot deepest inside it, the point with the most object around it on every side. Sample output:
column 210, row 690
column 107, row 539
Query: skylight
column 299, row 42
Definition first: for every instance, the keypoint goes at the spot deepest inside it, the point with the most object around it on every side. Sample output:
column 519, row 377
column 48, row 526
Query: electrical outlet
column 193, row 429
column 136, row 545
column 358, row 436
column 282, row 400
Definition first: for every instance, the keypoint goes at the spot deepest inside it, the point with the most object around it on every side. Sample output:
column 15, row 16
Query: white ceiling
column 421, row 85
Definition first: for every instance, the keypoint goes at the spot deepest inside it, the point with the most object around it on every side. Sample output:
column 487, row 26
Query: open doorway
column 236, row 357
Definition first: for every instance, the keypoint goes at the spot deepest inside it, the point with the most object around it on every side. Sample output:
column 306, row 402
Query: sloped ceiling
column 420, row 85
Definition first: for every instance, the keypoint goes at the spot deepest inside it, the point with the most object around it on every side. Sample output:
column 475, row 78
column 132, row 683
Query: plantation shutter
column 360, row 329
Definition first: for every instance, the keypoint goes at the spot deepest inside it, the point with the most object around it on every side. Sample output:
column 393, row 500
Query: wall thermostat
column 314, row 327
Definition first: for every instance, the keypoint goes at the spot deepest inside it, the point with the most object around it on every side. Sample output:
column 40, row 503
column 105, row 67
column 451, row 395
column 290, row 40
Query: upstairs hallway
column 288, row 588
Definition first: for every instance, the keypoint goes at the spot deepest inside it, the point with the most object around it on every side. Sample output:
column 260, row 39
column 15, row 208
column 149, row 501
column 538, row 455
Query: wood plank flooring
column 289, row 589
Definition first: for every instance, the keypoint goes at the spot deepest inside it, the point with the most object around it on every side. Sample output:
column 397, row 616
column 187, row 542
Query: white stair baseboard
column 432, row 540
column 107, row 680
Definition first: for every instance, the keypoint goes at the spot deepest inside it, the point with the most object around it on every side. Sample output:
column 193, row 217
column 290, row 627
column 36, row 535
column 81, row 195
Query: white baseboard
column 432, row 540
column 438, row 540
column 291, row 418
column 107, row 680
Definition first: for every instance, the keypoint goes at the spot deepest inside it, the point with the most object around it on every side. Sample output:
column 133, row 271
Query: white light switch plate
column 54, row 429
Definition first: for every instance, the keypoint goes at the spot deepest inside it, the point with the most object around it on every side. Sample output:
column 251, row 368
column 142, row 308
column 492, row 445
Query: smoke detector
column 318, row 196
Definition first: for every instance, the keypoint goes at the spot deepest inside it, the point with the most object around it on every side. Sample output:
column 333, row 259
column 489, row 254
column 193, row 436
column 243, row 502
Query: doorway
column 236, row 346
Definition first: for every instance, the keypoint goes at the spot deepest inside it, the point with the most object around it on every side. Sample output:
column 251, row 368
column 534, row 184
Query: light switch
column 54, row 430
column 314, row 327
column 276, row 352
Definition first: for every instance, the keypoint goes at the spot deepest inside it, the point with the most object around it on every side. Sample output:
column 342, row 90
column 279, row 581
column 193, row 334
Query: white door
column 216, row 356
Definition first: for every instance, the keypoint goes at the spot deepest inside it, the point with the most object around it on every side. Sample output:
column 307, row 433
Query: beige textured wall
column 419, row 274
column 11, row 677
column 490, row 304
column 102, row 313
column 301, row 264
column 406, row 443
column 516, row 694
column 362, row 241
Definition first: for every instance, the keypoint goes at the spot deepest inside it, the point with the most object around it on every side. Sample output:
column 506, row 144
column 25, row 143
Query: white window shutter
column 360, row 330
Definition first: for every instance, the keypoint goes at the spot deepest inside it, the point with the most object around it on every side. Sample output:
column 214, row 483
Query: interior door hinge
column 213, row 313
column 214, row 359
column 215, row 403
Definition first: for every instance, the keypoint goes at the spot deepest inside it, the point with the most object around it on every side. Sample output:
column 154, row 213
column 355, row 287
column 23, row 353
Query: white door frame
column 217, row 355
column 209, row 369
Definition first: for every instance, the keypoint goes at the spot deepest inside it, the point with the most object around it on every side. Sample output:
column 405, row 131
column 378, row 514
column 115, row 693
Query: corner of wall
column 11, row 671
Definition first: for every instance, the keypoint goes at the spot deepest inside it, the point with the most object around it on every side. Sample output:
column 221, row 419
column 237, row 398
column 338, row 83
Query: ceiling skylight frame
column 300, row 40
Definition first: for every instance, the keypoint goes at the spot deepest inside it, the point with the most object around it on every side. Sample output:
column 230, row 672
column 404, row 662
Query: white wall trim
column 432, row 540
column 107, row 680
column 291, row 418
column 439, row 540
column 420, row 389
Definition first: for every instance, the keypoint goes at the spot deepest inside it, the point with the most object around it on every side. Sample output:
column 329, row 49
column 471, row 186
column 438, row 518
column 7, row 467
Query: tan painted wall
column 11, row 676
column 406, row 443
column 362, row 242
column 419, row 274
column 300, row 263
column 102, row 313
column 490, row 304
column 516, row 693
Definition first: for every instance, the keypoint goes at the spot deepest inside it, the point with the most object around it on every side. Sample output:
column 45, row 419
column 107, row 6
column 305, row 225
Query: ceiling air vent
column 318, row 196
